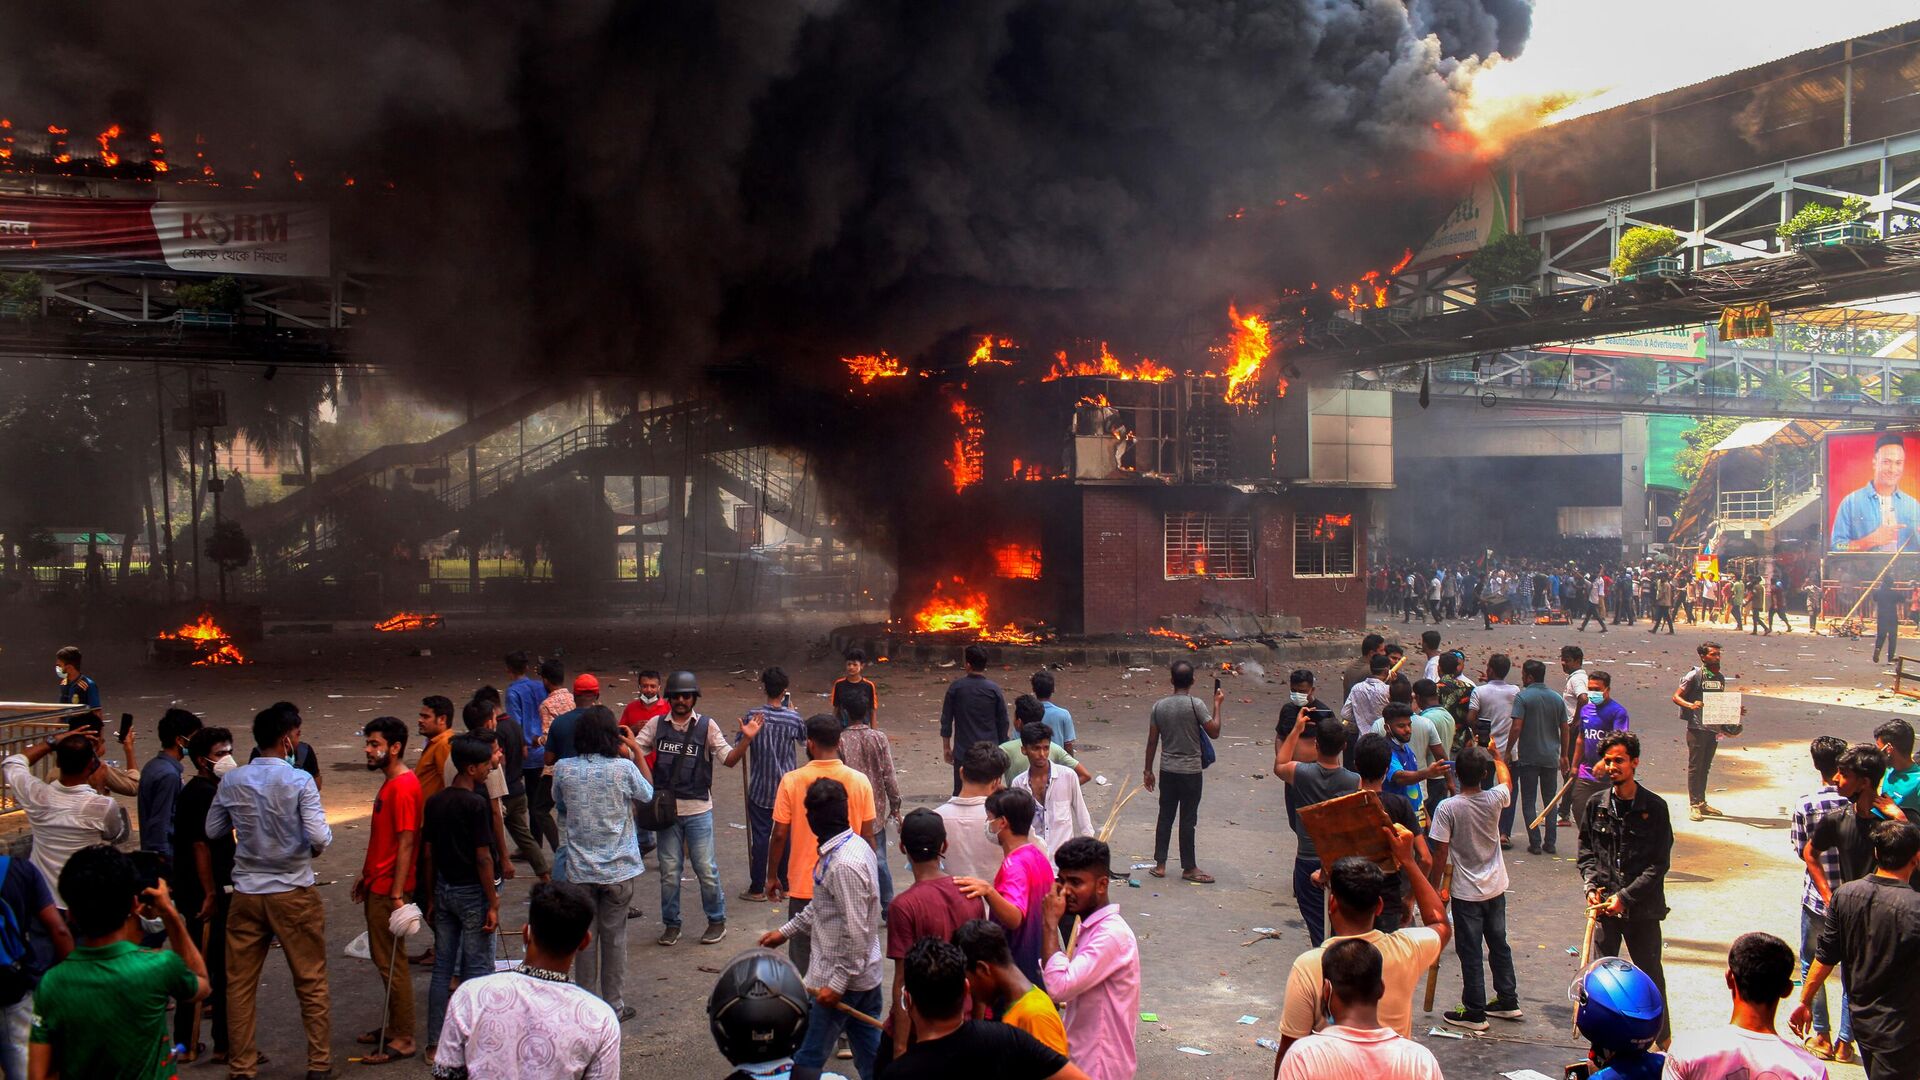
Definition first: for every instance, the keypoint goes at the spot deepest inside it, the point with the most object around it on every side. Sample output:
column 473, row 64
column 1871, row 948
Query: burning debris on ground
column 200, row 643
column 403, row 621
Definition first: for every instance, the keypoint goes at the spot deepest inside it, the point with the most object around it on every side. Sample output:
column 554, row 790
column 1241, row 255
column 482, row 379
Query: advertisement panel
column 1871, row 492
column 1491, row 208
column 1687, row 344
column 262, row 239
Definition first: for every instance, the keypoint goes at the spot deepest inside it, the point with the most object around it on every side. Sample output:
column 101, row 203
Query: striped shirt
column 844, row 917
column 867, row 749
column 1806, row 814
column 770, row 755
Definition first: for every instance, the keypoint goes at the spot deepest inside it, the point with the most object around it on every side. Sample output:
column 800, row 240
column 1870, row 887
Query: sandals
column 1158, row 871
column 1197, row 877
column 386, row 1055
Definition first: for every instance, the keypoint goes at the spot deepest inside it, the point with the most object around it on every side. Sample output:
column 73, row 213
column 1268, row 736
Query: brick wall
column 1124, row 580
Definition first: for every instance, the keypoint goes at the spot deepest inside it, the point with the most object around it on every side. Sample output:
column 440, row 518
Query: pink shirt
column 1347, row 1053
column 1099, row 993
column 1730, row 1051
column 1023, row 881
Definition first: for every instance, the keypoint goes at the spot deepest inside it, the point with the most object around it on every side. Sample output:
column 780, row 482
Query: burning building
column 1101, row 495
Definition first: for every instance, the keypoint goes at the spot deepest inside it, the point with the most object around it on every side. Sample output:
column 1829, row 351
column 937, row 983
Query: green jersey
column 104, row 1010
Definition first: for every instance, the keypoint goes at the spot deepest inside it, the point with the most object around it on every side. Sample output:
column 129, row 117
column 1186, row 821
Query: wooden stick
column 1555, row 801
column 1868, row 591
column 193, row 1044
column 1586, row 951
column 858, row 1015
column 1440, row 875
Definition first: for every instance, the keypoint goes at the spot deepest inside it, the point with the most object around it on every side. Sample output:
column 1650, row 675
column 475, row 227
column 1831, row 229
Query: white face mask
column 1297, row 698
column 224, row 766
column 993, row 834
column 648, row 699
column 60, row 673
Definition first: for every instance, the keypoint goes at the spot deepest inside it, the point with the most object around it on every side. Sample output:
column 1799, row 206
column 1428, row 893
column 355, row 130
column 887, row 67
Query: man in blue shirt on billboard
column 1879, row 516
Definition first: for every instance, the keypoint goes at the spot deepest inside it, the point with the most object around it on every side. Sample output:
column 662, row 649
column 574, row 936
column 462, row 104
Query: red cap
column 586, row 684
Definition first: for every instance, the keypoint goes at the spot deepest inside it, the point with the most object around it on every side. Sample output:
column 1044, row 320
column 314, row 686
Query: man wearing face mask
column 1599, row 716
column 279, row 827
column 202, row 874
column 844, row 923
column 386, row 877
column 1300, row 696
column 1626, row 846
column 161, row 780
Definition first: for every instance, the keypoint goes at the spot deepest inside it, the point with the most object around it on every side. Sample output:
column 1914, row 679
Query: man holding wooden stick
column 1626, row 846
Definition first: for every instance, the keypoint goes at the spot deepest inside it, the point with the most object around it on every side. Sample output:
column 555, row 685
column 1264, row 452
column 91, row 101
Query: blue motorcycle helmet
column 1616, row 1007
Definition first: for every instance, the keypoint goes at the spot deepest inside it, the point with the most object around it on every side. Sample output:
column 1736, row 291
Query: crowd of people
column 1001, row 951
column 1602, row 594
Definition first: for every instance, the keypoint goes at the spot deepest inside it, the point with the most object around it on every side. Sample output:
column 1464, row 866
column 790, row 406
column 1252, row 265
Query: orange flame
column 215, row 645
column 983, row 352
column 880, row 366
column 1246, row 350
column 1326, row 527
column 1026, row 471
column 408, row 620
column 1019, row 562
column 1161, row 631
column 1145, row 370
column 968, row 463
column 105, row 139
column 965, row 609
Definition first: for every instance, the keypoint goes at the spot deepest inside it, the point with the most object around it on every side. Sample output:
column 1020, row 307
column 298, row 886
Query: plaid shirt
column 867, row 749
column 771, row 754
column 844, row 917
column 1806, row 814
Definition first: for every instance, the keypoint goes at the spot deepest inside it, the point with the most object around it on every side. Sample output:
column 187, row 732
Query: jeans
column 690, row 837
column 886, row 872
column 1507, row 813
column 759, row 838
column 824, row 1026
column 601, row 968
column 800, row 945
column 461, row 949
column 1887, row 630
column 1311, row 898
column 1642, row 938
column 1594, row 611
column 1810, row 927
column 1662, row 613
column 1701, row 745
column 19, row 1026
column 1179, row 794
column 1545, row 780
column 1476, row 922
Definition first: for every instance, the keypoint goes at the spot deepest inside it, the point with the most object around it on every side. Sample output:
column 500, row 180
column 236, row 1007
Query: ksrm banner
column 257, row 239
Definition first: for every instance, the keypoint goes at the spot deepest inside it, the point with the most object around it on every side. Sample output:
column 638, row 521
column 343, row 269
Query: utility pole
column 166, row 500
column 216, row 485
column 473, row 497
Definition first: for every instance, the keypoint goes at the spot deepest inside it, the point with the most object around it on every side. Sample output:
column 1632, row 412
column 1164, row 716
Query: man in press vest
column 687, row 744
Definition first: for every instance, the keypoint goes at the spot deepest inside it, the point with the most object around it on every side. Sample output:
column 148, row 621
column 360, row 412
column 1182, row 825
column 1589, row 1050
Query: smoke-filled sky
column 596, row 186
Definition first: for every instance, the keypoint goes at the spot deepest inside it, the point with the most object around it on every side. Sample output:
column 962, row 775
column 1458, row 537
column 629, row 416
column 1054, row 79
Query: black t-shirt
column 1399, row 811
column 976, row 1048
column 459, row 822
column 190, row 826
column 513, row 753
column 1843, row 831
column 303, row 759
column 1871, row 929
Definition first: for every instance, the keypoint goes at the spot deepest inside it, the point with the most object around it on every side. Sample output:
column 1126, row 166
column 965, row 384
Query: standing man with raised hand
column 767, row 737
column 1702, row 742
column 1626, row 847
column 974, row 710
column 1466, row 829
column 1367, row 701
column 274, row 814
column 1312, row 782
column 1020, row 886
column 1098, row 987
column 844, row 922
column 386, row 879
column 1183, row 723
column 686, row 745
column 68, row 814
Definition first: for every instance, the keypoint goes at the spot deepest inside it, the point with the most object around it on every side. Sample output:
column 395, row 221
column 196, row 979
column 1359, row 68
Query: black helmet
column 682, row 682
column 758, row 1011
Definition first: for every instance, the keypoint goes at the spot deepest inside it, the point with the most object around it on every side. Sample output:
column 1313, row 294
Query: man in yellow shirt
column 996, row 983
column 791, row 832
column 436, row 733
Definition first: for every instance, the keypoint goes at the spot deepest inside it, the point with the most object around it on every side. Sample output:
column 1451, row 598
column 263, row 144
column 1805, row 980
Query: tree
column 1707, row 431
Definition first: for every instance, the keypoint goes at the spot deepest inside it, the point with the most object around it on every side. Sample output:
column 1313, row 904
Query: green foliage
column 1549, row 367
column 228, row 546
column 21, row 289
column 1846, row 384
column 221, row 294
column 38, row 547
column 1815, row 215
column 1778, row 386
column 1909, row 384
column 1705, row 433
column 1636, row 372
column 1641, row 243
column 1720, row 379
column 1506, row 260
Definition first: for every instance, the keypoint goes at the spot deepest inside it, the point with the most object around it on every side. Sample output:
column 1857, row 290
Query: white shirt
column 1344, row 1053
column 970, row 853
column 1432, row 670
column 1494, row 701
column 1576, row 694
column 1470, row 827
column 1727, row 1053
column 1063, row 815
column 63, row 819
column 717, row 745
column 520, row 1026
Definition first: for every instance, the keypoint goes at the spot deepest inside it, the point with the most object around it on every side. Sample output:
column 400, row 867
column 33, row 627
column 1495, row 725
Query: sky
column 1623, row 50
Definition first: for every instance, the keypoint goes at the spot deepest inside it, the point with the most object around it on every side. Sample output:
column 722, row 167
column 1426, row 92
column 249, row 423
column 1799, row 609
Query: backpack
column 16, row 980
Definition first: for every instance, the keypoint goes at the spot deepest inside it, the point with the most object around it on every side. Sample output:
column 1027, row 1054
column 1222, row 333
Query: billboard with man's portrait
column 1873, row 492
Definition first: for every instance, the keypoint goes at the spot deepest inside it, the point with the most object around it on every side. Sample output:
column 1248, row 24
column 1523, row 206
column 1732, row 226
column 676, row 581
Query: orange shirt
column 790, row 809
column 432, row 766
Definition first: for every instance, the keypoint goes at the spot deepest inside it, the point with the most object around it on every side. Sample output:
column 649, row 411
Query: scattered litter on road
column 1101, row 780
column 1265, row 1043
column 735, row 825
column 1525, row 1074
column 1445, row 1034
column 1194, row 1050
column 1149, row 1018
column 1248, row 1020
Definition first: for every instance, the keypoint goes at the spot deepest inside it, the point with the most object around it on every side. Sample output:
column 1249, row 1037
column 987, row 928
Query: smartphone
column 786, row 700
column 150, row 866
column 1216, row 684
column 126, row 725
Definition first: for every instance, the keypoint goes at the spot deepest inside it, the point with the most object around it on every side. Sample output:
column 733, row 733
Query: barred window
column 1199, row 544
column 1322, row 545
